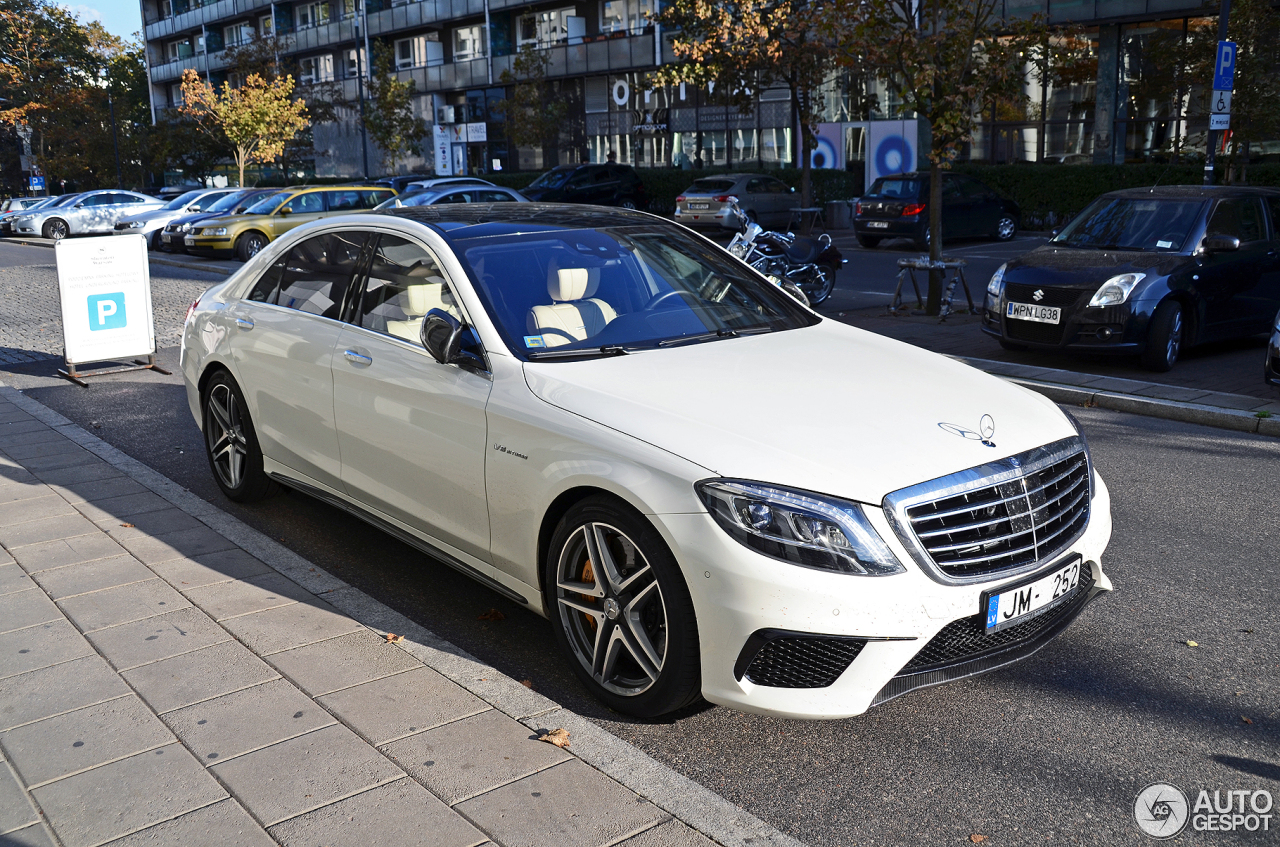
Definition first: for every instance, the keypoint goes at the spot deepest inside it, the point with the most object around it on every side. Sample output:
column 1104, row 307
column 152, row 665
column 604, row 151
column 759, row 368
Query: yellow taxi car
column 277, row 213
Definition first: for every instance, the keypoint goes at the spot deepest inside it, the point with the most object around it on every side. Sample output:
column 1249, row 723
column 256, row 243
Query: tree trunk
column 934, row 304
column 241, row 160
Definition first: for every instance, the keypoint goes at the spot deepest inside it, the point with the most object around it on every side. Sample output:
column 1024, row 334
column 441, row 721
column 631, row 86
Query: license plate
column 166, row 238
column 1023, row 602
column 189, row 241
column 1032, row 312
column 701, row 207
column 878, row 224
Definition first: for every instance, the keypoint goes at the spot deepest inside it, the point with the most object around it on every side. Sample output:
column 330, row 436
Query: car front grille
column 1036, row 333
column 1007, row 516
column 1062, row 297
column 796, row 660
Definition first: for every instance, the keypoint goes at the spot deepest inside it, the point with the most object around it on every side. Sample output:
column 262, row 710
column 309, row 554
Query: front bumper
column 738, row 593
column 219, row 246
column 1118, row 330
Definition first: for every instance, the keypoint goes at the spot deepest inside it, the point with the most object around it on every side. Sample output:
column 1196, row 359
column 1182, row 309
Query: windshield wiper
column 580, row 352
column 709, row 336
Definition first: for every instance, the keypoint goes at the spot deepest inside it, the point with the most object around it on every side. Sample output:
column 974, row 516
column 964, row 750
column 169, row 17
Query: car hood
column 1074, row 267
column 151, row 215
column 828, row 408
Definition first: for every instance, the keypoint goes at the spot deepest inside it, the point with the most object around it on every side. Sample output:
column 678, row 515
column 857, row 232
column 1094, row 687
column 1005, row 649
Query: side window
column 456, row 197
column 305, row 204
column 1239, row 218
column 267, row 288
column 974, row 190
column 344, row 201
column 950, row 191
column 492, row 196
column 757, row 186
column 1273, row 201
column 370, row 199
column 318, row 271
column 404, row 283
column 778, row 187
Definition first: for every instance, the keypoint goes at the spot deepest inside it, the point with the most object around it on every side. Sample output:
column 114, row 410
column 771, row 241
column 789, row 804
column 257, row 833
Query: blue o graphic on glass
column 106, row 311
column 893, row 156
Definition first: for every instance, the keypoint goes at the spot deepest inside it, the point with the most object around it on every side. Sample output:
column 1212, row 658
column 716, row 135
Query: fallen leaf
column 558, row 737
column 1192, row 644
column 492, row 615
column 977, row 839
column 527, row 683
column 1246, row 720
column 127, row 525
column 392, row 638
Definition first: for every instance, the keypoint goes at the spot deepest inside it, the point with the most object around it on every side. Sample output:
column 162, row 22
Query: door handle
column 244, row 323
column 357, row 358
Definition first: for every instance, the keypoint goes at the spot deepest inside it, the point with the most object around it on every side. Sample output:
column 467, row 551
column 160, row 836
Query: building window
column 311, row 14
column 352, row 62
column 315, row 69
column 235, row 79
column 626, row 15
column 180, row 50
column 166, row 8
column 469, row 42
column 411, row 52
column 175, row 95
column 351, row 8
column 542, row 29
column 266, row 26
column 233, row 36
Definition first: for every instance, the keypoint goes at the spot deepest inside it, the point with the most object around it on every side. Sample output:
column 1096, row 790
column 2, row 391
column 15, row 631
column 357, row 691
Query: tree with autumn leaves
column 257, row 119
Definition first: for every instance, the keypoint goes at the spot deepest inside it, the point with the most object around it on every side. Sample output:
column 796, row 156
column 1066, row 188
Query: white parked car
column 707, row 488
column 91, row 212
column 151, row 222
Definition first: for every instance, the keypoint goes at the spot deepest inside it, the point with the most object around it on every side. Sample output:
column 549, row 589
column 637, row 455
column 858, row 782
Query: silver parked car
column 455, row 193
column 7, row 218
column 17, row 204
column 90, row 212
column 151, row 222
column 766, row 200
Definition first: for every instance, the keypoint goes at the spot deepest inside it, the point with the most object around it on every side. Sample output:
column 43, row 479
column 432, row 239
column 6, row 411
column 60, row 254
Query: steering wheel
column 667, row 295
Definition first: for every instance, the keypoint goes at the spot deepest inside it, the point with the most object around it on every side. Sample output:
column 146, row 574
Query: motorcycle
column 798, row 264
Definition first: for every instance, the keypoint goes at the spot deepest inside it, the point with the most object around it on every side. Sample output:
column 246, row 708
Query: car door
column 1231, row 281
column 86, row 214
column 300, row 209
column 1269, row 289
column 412, row 432
column 283, row 336
column 983, row 206
column 956, row 209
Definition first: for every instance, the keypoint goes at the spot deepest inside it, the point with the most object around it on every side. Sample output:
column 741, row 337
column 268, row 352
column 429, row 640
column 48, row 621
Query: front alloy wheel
column 1006, row 228
column 56, row 229
column 622, row 611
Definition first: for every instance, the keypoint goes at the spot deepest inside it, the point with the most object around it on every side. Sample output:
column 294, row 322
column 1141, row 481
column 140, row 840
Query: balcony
column 172, row 71
column 594, row 57
column 198, row 15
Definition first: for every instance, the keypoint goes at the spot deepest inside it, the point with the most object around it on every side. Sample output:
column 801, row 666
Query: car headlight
column 799, row 527
column 25, row 219
column 215, row 230
column 136, row 224
column 185, row 228
column 996, row 286
column 1116, row 290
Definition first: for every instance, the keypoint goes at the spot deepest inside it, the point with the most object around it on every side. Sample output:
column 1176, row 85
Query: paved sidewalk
column 170, row 676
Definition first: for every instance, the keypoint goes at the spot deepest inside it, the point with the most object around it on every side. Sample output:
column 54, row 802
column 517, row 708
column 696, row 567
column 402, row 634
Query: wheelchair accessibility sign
column 105, row 286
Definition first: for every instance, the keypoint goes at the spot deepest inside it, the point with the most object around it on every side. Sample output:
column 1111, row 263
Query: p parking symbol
column 106, row 311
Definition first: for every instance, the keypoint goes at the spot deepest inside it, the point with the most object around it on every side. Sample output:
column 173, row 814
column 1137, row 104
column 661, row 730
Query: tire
column 921, row 241
column 1006, row 228
column 230, row 443
column 1012, row 345
column 870, row 242
column 752, row 216
column 628, row 204
column 249, row 245
column 1165, row 337
column 631, row 637
column 55, row 229
column 818, row 293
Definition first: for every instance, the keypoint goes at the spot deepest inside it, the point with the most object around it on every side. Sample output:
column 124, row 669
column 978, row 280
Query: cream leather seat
column 574, row 315
column 418, row 299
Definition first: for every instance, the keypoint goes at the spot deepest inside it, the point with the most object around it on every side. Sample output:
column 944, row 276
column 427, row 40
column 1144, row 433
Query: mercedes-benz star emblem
column 1038, row 295
column 986, row 430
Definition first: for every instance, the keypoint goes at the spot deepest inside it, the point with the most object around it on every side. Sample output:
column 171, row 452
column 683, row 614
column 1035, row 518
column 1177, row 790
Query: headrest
column 565, row 284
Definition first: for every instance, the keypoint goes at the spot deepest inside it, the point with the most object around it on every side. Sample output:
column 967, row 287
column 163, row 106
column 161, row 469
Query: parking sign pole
column 1224, row 69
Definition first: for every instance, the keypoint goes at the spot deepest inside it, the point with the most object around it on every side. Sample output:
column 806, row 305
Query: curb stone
column 693, row 804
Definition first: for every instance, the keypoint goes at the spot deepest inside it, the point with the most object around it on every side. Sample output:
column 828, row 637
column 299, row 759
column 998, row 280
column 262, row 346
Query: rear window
column 710, row 186
column 907, row 189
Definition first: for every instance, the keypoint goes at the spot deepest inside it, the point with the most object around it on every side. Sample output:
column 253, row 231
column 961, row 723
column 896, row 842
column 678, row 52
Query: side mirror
column 79, row 205
column 1220, row 244
column 441, row 335
column 285, row 211
column 194, row 209
column 1054, row 232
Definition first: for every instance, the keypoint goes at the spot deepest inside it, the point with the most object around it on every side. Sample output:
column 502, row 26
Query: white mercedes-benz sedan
column 708, row 489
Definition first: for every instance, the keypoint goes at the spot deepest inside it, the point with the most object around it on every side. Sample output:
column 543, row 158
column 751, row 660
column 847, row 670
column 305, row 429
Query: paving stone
column 244, row 721
column 32, row 836
column 26, row 608
column 77, row 458
column 296, row 776
column 61, row 688
column 15, row 491
column 185, row 544
column 122, row 604
column 98, row 484
column 473, row 755
column 67, row 551
column 199, row 675
column 185, row 574
column 77, row 476
column 92, row 576
column 289, row 626
column 403, row 814
column 15, row 809
column 387, row 709
column 242, row 597
column 1230, row 401
column 14, row 579
column 145, row 524
column 1171, row 392
column 532, row 812
column 123, row 797
column 224, row 824
column 79, row 740
column 673, row 833
column 153, row 639
column 14, row 427
column 33, row 436
column 40, row 647
column 20, row 511
column 342, row 662
column 122, row 507
column 40, row 449
column 45, row 529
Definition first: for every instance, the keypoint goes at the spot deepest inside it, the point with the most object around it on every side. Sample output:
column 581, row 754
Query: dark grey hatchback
column 1147, row 271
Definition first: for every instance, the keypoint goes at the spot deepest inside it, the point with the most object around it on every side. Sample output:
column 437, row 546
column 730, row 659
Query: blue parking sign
column 37, row 183
column 1224, row 68
column 106, row 311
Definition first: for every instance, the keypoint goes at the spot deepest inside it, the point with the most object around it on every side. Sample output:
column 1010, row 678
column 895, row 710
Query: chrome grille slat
column 1014, row 552
column 966, row 509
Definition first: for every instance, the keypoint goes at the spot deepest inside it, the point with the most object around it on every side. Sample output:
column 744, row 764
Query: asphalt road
column 1053, row 750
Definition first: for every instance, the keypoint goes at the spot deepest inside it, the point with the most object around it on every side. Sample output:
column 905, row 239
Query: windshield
column 70, row 198
column 226, row 202
column 1128, row 223
column 619, row 289
column 268, row 204
column 896, row 187
column 181, row 201
column 552, row 179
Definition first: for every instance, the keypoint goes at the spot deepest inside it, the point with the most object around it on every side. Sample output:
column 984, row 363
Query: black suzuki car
column 1146, row 271
column 898, row 207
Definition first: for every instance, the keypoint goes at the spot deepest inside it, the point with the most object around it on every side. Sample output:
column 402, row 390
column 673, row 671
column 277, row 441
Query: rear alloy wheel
column 870, row 242
column 55, row 229
column 629, row 204
column 1006, row 228
column 621, row 610
column 1164, row 337
column 231, row 443
column 250, row 245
